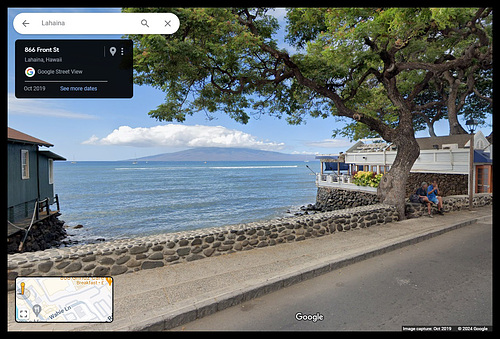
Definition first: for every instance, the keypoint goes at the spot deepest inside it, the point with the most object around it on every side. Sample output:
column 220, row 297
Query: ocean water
column 119, row 199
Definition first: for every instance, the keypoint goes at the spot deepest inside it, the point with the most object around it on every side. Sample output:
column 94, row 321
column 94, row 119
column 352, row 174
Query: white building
column 438, row 155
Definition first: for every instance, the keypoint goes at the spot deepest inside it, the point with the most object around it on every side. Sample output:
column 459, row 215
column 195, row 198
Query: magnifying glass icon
column 144, row 22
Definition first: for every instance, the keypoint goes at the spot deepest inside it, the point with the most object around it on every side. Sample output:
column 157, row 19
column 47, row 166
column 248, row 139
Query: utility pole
column 471, row 125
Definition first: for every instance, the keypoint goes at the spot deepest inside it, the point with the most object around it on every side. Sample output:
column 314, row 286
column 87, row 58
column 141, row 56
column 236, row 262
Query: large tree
column 366, row 64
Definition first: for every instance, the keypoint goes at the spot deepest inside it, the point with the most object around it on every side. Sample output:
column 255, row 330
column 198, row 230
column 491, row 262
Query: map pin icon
column 37, row 308
column 112, row 50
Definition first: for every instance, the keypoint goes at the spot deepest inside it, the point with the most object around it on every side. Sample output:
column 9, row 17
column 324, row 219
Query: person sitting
column 422, row 197
column 432, row 195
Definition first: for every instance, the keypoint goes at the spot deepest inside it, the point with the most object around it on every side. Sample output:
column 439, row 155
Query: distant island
column 226, row 154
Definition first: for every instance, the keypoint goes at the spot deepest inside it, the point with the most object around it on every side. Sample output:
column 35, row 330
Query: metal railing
column 25, row 210
column 343, row 181
column 333, row 177
column 20, row 215
column 41, row 208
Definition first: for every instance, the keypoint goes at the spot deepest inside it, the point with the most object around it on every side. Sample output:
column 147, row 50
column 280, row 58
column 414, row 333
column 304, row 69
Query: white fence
column 343, row 181
column 452, row 161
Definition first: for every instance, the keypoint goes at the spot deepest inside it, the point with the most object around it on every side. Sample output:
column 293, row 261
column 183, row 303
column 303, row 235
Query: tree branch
column 420, row 86
column 384, row 130
column 418, row 109
column 479, row 95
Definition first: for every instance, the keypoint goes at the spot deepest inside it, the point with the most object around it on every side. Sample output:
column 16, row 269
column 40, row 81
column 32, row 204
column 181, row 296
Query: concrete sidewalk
column 169, row 296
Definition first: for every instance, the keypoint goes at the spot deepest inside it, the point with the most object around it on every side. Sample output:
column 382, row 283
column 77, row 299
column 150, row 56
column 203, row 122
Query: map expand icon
column 64, row 299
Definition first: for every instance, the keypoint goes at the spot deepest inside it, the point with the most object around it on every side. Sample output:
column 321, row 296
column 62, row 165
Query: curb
column 190, row 312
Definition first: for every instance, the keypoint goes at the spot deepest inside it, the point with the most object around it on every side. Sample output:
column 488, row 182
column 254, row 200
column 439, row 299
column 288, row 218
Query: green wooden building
column 30, row 175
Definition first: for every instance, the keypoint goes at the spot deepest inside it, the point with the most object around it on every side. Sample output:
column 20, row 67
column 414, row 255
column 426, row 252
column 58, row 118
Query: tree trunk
column 455, row 127
column 430, row 126
column 392, row 187
column 451, row 104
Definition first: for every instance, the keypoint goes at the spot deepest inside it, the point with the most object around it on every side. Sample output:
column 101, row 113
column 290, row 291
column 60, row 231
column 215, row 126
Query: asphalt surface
column 443, row 281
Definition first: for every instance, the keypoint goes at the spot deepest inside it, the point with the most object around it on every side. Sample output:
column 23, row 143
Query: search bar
column 96, row 23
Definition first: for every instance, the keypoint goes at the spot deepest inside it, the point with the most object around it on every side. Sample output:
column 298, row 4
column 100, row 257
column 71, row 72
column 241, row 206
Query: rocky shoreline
column 71, row 237
column 327, row 200
column 55, row 233
column 135, row 254
column 47, row 233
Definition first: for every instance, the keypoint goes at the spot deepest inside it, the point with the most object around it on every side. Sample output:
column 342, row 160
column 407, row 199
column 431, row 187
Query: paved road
column 446, row 280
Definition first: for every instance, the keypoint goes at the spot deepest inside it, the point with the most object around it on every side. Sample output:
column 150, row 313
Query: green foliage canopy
column 372, row 65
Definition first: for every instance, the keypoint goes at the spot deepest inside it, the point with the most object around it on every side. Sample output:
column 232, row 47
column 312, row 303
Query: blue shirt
column 431, row 195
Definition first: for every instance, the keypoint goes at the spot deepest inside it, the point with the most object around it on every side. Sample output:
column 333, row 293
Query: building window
column 25, row 164
column 51, row 171
column 483, row 179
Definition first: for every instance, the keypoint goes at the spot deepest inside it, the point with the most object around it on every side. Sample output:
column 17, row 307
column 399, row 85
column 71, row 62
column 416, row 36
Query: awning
column 482, row 157
column 327, row 157
column 332, row 166
column 51, row 155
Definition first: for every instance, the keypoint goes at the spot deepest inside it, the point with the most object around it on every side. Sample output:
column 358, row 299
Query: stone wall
column 331, row 199
column 449, row 184
column 450, row 203
column 130, row 255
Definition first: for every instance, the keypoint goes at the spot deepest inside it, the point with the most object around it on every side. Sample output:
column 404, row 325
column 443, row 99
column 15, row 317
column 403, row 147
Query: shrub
column 367, row 178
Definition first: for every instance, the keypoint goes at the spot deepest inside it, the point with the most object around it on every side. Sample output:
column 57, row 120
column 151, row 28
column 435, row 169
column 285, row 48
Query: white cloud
column 305, row 152
column 42, row 107
column 173, row 135
column 279, row 13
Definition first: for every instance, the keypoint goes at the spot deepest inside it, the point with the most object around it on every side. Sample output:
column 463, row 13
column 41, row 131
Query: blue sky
column 118, row 129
